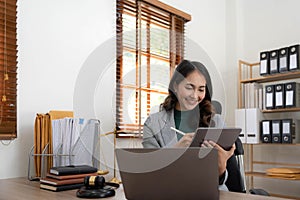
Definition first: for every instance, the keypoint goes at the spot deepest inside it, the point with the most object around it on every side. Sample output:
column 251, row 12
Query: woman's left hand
column 223, row 155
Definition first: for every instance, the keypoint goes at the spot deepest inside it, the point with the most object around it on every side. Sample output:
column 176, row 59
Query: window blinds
column 150, row 43
column 8, row 69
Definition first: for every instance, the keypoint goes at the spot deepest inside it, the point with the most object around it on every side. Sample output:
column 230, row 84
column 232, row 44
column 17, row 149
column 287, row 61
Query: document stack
column 66, row 177
column 63, row 141
column 284, row 172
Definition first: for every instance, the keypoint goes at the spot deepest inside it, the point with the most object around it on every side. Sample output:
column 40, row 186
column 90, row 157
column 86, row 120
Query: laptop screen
column 169, row 173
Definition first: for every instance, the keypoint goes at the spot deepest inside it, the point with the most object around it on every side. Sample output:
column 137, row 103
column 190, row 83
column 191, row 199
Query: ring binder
column 274, row 58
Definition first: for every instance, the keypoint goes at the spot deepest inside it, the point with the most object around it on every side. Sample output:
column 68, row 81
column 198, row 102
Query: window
column 8, row 69
column 150, row 43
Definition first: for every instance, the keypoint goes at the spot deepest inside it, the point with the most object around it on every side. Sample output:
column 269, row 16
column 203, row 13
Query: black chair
column 239, row 155
column 236, row 181
column 217, row 106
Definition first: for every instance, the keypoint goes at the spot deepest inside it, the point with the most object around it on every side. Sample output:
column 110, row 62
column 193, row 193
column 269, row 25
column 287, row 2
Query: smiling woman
column 187, row 107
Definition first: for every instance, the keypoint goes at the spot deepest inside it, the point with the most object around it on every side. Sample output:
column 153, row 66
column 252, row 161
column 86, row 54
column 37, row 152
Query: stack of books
column 66, row 177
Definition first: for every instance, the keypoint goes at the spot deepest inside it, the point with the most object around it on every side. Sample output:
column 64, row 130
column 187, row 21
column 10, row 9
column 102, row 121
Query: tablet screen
column 225, row 137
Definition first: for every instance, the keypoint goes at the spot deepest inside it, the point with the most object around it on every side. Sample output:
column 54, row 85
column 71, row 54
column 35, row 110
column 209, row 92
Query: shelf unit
column 249, row 73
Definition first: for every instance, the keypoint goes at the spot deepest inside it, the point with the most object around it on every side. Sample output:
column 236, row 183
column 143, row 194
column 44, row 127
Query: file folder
column 240, row 122
column 287, row 131
column 294, row 57
column 269, row 97
column 274, row 58
column 253, row 117
column 266, row 131
column 279, row 96
column 276, row 131
column 292, row 94
column 264, row 66
column 283, row 59
column 295, row 129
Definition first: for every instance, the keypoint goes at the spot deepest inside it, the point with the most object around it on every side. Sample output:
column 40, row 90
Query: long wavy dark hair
column 205, row 107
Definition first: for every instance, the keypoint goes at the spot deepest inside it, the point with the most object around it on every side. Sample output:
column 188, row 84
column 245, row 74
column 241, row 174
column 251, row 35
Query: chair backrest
column 217, row 105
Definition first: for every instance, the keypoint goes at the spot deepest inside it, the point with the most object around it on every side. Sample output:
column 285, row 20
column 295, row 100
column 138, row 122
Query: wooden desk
column 21, row 188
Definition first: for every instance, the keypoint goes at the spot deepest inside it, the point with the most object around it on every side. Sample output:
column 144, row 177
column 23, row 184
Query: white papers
column 73, row 141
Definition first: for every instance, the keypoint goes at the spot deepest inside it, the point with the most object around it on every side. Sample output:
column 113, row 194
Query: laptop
column 169, row 173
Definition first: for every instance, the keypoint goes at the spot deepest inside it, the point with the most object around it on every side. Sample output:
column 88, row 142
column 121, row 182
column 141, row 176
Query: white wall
column 265, row 25
column 54, row 39
column 59, row 40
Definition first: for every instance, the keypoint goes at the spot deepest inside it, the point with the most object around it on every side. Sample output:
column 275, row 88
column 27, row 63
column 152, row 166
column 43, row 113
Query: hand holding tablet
column 225, row 137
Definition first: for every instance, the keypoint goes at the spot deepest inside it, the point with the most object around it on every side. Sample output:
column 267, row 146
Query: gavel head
column 94, row 181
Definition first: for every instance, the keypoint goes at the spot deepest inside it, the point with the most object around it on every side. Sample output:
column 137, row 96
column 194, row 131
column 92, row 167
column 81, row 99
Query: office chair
column 236, row 181
column 239, row 154
column 217, row 105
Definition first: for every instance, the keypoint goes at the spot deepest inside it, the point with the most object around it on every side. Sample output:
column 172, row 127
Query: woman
column 187, row 107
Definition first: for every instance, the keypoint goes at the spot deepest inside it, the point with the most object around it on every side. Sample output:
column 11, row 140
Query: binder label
column 263, row 66
column 289, row 98
column 274, row 65
column 293, row 61
column 286, row 128
column 266, row 127
column 283, row 63
column 269, row 99
column 279, row 99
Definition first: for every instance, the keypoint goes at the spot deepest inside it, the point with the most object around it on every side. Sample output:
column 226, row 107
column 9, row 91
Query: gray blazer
column 157, row 131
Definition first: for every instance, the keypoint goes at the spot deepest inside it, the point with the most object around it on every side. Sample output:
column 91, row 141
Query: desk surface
column 21, row 188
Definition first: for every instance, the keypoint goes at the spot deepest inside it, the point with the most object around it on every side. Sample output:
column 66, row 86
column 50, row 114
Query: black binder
column 269, row 97
column 287, row 131
column 274, row 58
column 279, row 96
column 292, row 95
column 266, row 131
column 276, row 131
column 294, row 58
column 264, row 66
column 283, row 59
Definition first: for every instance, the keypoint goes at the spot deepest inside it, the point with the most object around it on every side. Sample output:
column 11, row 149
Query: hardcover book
column 71, row 176
column 52, row 181
column 61, row 187
column 72, row 169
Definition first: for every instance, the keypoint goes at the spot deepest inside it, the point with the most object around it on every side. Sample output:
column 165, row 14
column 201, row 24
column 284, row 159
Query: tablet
column 225, row 137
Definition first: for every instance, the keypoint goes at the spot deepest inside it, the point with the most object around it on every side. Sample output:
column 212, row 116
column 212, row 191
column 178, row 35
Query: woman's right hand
column 185, row 141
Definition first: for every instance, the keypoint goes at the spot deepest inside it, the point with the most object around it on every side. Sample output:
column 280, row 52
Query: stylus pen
column 178, row 131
